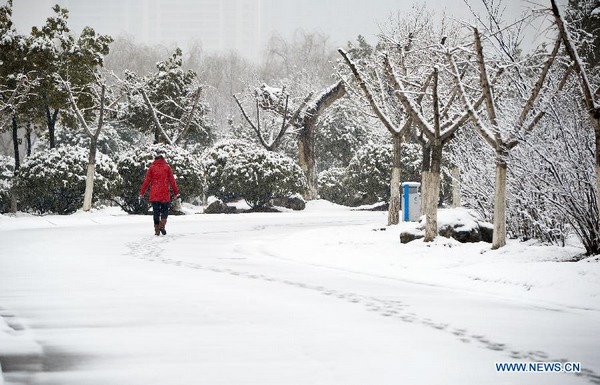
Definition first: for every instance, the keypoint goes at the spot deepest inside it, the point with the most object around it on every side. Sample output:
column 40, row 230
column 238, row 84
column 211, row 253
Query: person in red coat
column 161, row 180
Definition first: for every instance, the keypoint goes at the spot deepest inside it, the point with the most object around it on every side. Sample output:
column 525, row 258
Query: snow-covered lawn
column 323, row 296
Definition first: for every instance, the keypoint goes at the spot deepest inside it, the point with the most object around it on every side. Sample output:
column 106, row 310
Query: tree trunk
column 51, row 123
column 306, row 141
column 15, row 139
column 499, row 238
column 89, row 180
column 307, row 158
column 28, row 137
column 394, row 209
column 431, row 193
column 597, row 132
column 157, row 135
column 456, row 187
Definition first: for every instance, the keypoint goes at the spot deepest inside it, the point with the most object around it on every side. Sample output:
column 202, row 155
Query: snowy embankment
column 522, row 270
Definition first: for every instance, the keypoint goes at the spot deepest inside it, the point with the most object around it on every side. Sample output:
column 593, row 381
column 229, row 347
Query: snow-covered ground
column 323, row 296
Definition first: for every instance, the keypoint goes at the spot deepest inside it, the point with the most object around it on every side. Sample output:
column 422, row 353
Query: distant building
column 218, row 25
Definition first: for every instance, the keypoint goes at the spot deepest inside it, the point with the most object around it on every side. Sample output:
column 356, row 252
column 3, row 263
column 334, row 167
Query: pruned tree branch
column 471, row 110
column 392, row 128
column 188, row 122
column 539, row 84
column 154, row 116
column 406, row 102
column 485, row 83
column 577, row 64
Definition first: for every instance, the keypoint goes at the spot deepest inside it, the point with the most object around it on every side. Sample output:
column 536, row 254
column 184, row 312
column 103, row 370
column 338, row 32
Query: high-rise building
column 218, row 25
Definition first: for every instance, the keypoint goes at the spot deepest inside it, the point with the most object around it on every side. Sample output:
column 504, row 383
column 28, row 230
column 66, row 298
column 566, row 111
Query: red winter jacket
column 160, row 177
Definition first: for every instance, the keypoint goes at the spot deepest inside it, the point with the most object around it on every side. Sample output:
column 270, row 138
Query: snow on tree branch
column 394, row 130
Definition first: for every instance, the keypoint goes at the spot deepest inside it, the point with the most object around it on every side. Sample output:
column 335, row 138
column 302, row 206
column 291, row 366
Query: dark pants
column 160, row 210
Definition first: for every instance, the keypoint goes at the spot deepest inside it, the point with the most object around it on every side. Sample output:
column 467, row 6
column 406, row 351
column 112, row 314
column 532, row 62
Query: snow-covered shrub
column 234, row 169
column 214, row 160
column 368, row 175
column 132, row 166
column 7, row 166
column 259, row 176
column 331, row 185
column 366, row 180
column 53, row 181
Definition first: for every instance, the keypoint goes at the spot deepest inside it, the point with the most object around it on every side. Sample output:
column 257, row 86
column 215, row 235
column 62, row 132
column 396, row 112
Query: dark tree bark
column 306, row 138
column 15, row 138
column 51, row 118
column 28, row 138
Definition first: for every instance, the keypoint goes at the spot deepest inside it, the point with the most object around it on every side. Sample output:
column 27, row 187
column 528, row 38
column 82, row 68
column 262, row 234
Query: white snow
column 327, row 295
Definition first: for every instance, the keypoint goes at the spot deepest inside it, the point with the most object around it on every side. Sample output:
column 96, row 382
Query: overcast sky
column 243, row 25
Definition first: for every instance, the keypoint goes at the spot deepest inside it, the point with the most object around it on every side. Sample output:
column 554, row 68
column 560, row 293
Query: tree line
column 432, row 96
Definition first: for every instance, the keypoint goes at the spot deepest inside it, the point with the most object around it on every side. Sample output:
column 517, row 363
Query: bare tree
column 397, row 124
column 591, row 99
column 400, row 88
column 95, row 116
column 305, row 124
column 274, row 133
column 435, row 130
column 496, row 136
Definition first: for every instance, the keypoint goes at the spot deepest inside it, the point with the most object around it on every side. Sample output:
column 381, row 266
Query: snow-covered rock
column 458, row 223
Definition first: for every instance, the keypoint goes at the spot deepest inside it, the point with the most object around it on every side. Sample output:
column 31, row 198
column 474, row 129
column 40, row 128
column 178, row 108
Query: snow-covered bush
column 53, row 181
column 132, row 166
column 366, row 180
column 236, row 170
column 331, row 185
column 368, row 175
column 7, row 166
column 214, row 160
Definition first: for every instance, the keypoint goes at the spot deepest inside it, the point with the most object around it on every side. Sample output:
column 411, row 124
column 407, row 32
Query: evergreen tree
column 584, row 16
column 13, row 69
column 55, row 55
column 168, row 102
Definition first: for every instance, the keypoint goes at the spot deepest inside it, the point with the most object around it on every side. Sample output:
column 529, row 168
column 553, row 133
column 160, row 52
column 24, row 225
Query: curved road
column 211, row 304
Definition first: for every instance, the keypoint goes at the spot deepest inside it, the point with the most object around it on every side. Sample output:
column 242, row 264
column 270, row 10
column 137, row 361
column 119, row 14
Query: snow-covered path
column 222, row 300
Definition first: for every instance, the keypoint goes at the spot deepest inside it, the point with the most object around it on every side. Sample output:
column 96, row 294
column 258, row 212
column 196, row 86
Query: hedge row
column 53, row 181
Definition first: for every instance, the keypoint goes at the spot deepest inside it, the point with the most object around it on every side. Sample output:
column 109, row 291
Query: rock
column 460, row 233
column 466, row 235
column 457, row 223
column 294, row 202
column 216, row 206
column 408, row 236
column 446, row 231
column 487, row 231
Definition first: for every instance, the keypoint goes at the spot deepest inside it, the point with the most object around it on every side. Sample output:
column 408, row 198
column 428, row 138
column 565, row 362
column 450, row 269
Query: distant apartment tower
column 219, row 25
